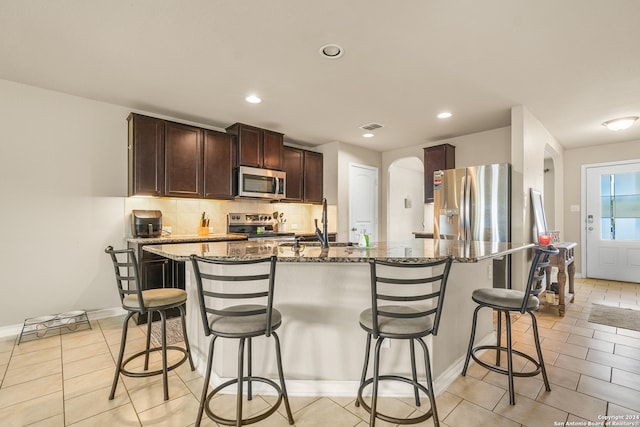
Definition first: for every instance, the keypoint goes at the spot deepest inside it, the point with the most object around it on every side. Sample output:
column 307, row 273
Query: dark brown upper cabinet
column 304, row 175
column 219, row 160
column 438, row 157
column 146, row 156
column 293, row 165
column 313, row 190
column 183, row 161
column 259, row 148
column 177, row 160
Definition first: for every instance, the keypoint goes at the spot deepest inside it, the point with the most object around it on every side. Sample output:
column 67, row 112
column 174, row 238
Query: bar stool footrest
column 389, row 418
column 504, row 371
column 254, row 419
column 128, row 373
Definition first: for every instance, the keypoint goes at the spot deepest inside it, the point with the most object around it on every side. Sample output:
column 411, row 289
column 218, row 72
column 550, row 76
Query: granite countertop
column 186, row 238
column 413, row 250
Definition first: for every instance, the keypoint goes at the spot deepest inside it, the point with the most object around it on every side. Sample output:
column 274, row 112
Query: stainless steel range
column 256, row 226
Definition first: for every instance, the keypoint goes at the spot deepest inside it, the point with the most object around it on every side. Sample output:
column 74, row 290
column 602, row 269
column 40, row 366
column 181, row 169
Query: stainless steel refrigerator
column 474, row 203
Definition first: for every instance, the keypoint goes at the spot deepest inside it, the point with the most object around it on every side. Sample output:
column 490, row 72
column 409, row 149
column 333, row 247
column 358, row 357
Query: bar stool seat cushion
column 244, row 325
column 154, row 298
column 418, row 326
column 504, row 298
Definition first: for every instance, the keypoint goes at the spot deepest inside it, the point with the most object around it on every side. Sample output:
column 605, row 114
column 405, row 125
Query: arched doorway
column 405, row 199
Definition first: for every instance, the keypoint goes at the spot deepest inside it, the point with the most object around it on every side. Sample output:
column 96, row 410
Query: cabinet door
column 293, row 165
column 183, row 160
column 146, row 156
column 272, row 145
column 250, row 146
column 313, row 190
column 219, row 154
column 436, row 158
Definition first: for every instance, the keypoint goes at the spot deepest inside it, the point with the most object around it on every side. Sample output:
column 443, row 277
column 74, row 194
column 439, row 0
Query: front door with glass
column 613, row 221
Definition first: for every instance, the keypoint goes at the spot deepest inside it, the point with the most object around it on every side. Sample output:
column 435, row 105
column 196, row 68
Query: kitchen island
column 321, row 292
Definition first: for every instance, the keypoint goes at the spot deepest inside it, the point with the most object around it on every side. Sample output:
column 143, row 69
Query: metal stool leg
column 249, row 393
column 512, row 394
column 432, row 396
column 148, row 341
column 365, row 366
column 414, row 372
column 534, row 323
column 165, row 371
column 499, row 334
column 471, row 339
column 239, row 392
column 123, row 341
column 376, row 372
column 207, row 378
column 281, row 374
column 186, row 339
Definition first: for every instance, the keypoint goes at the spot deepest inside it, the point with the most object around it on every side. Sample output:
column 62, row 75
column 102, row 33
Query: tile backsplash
column 183, row 215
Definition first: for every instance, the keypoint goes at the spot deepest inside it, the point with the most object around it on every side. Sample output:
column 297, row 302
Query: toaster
column 146, row 223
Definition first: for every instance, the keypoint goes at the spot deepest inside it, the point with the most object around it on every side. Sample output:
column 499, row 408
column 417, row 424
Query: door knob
column 590, row 228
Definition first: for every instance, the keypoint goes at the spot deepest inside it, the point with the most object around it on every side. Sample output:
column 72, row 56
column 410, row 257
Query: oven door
column 261, row 183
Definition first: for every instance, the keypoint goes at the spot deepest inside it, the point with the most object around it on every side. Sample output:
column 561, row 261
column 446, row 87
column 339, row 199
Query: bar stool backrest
column 125, row 265
column 420, row 285
column 234, row 280
column 540, row 262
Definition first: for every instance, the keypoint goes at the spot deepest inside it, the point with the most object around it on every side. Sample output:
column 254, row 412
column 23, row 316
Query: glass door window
column 620, row 206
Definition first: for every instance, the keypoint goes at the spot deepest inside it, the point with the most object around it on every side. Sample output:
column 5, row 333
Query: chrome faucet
column 323, row 235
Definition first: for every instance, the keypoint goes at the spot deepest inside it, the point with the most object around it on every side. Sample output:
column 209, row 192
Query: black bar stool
column 135, row 300
column 506, row 301
column 406, row 304
column 222, row 281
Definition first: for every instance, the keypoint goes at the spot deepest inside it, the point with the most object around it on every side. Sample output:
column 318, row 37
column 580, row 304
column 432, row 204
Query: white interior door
column 363, row 202
column 613, row 221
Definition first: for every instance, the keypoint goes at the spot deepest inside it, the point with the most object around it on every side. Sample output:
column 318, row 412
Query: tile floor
column 594, row 371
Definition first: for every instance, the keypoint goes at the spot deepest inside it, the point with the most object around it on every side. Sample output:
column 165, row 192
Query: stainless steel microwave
column 261, row 183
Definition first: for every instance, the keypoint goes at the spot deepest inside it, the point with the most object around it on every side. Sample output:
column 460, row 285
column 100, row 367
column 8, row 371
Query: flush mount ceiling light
column 444, row 115
column 367, row 135
column 253, row 99
column 331, row 51
column 620, row 123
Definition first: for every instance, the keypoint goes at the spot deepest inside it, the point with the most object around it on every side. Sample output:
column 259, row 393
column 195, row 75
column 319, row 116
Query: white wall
column 529, row 140
column 63, row 177
column 492, row 146
column 337, row 157
column 63, row 172
column 406, row 201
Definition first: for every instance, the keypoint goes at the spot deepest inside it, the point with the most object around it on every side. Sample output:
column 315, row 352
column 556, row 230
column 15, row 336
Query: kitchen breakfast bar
column 321, row 292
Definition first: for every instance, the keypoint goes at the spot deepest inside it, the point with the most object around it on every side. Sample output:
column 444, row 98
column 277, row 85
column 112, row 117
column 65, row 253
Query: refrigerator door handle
column 464, row 210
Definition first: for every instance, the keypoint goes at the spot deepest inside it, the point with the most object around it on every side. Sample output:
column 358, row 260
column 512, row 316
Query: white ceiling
column 572, row 63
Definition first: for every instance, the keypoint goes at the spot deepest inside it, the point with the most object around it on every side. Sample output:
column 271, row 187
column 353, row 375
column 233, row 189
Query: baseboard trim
column 15, row 330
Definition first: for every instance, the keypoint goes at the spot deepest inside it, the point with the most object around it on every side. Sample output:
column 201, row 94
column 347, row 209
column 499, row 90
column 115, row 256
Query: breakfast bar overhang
column 321, row 292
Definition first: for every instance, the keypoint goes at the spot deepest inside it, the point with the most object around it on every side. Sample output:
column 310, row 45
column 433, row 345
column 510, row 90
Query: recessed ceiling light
column 367, row 135
column 620, row 123
column 444, row 115
column 331, row 51
column 253, row 99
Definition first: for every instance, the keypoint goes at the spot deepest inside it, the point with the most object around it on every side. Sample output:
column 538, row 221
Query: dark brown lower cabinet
column 158, row 272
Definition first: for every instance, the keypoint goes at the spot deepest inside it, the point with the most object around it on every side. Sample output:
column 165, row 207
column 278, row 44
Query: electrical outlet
column 294, row 226
column 167, row 229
